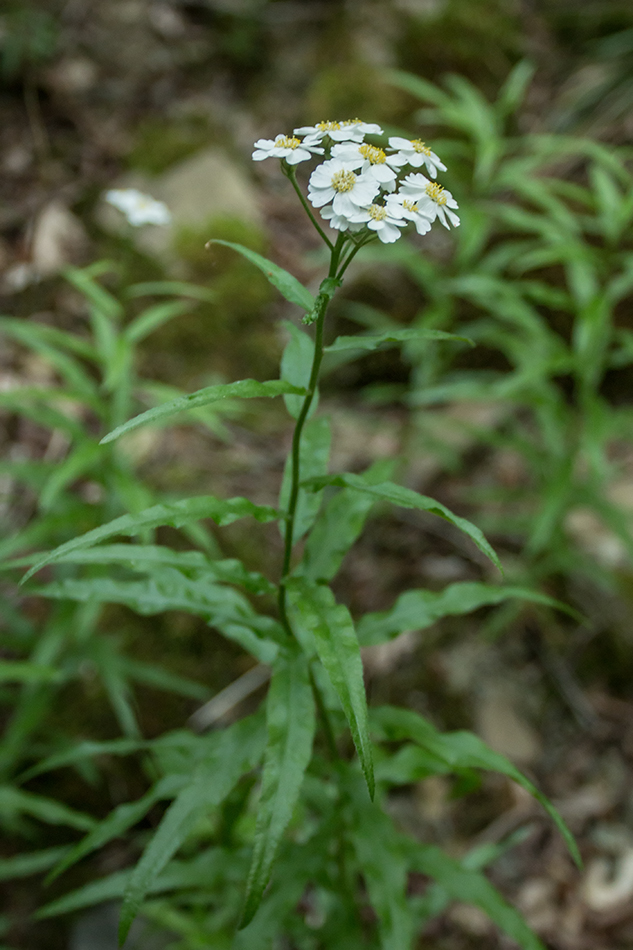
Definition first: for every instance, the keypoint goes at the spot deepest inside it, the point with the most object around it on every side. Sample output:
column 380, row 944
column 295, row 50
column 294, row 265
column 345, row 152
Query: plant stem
column 320, row 310
column 291, row 174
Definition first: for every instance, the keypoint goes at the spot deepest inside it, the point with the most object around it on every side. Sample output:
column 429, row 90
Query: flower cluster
column 360, row 185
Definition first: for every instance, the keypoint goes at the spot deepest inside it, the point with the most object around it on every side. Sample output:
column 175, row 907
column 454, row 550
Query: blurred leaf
column 418, row 609
column 153, row 318
column 391, row 336
column 296, row 362
column 15, row 801
column 238, row 750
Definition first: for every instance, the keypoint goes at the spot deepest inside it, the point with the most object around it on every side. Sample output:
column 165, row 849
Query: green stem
column 320, row 309
column 291, row 174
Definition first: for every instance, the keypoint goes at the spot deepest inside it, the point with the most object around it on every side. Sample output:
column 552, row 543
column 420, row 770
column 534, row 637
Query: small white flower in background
column 349, row 130
column 399, row 206
column 372, row 160
column 334, row 182
column 286, row 146
column 138, row 208
column 381, row 219
column 433, row 199
column 415, row 153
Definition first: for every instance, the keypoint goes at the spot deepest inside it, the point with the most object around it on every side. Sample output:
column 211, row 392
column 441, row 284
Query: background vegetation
column 527, row 434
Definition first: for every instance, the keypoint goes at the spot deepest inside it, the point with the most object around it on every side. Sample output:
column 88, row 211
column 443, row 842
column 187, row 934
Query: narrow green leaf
column 31, row 862
column 176, row 514
column 463, row 750
column 373, row 341
column 407, row 498
column 243, row 389
column 154, row 317
column 82, row 751
column 316, row 616
column 338, row 526
column 314, row 458
column 237, row 751
column 143, row 557
column 285, row 283
column 168, row 589
column 384, row 867
column 170, row 288
column 75, row 465
column 100, row 298
column 201, row 872
column 296, row 362
column 16, row 671
column 16, row 801
column 119, row 820
column 470, row 886
column 291, row 723
column 418, row 609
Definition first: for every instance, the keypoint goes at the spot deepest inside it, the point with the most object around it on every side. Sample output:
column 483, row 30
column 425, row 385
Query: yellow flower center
column 328, row 126
column 436, row 193
column 377, row 213
column 343, row 180
column 374, row 155
column 420, row 147
column 410, row 205
column 287, row 141
column 352, row 122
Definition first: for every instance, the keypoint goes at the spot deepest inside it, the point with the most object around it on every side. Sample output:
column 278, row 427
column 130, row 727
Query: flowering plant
column 314, row 844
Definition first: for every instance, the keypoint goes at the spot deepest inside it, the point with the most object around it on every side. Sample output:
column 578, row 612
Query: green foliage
column 260, row 815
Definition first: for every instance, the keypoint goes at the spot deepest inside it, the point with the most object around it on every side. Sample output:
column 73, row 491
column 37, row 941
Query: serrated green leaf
column 418, row 609
column 373, row 341
column 143, row 557
column 15, row 801
column 175, row 514
column 286, row 284
column 313, row 461
column 463, row 750
column 243, row 389
column 291, row 723
column 169, row 589
column 407, row 498
column 315, row 616
column 466, row 885
column 238, row 750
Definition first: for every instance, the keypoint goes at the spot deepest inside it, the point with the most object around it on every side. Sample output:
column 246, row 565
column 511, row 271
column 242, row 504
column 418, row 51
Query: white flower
column 286, row 146
column 338, row 221
column 414, row 152
column 381, row 220
column 400, row 206
column 372, row 160
column 349, row 130
column 433, row 200
column 138, row 208
column 334, row 182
